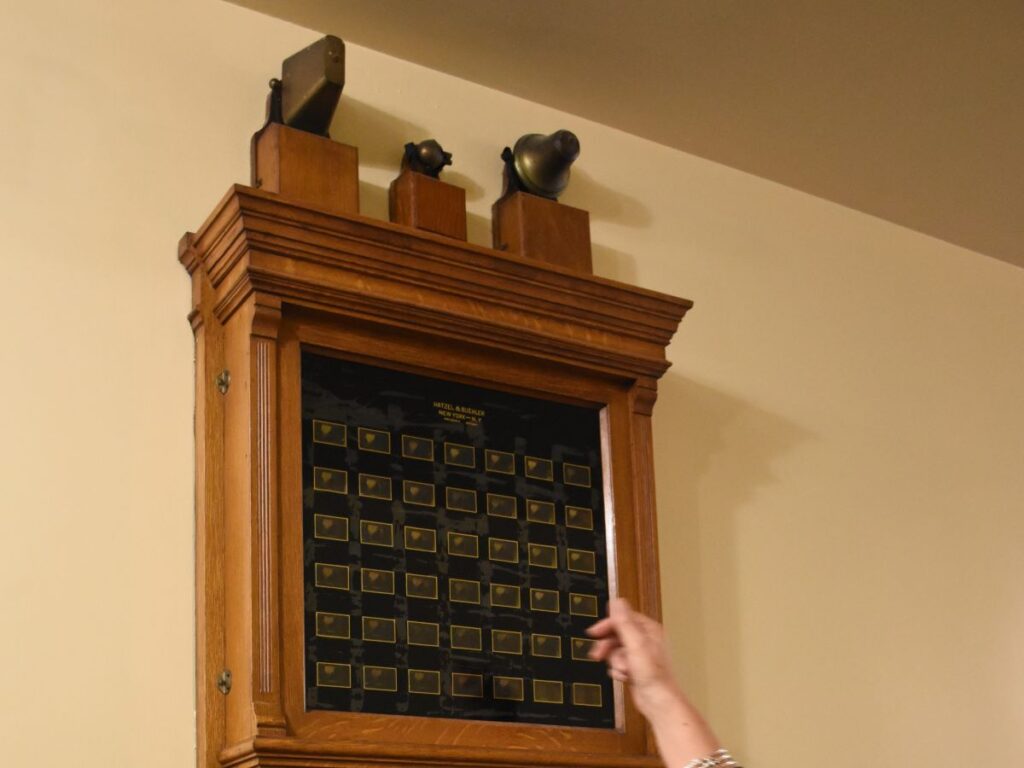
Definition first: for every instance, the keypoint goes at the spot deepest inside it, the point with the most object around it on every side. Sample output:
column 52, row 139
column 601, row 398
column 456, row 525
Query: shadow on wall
column 605, row 203
column 722, row 451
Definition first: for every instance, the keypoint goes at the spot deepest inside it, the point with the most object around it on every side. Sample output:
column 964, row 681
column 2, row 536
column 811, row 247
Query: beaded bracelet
column 720, row 758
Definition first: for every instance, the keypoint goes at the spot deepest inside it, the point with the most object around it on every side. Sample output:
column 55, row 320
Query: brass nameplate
column 465, row 638
column 423, row 633
column 586, row 695
column 375, row 487
column 503, row 550
column 463, row 544
column 582, row 605
column 418, row 448
column 464, row 591
column 379, row 630
column 502, row 506
column 540, row 511
column 540, row 469
column 460, row 499
column 330, row 433
column 424, row 586
column 504, row 596
column 420, row 539
column 467, row 685
column 330, row 480
column 421, row 494
column 543, row 555
column 581, row 648
column 582, row 561
column 374, row 440
column 380, row 679
column 502, row 462
column 458, row 455
column 332, row 576
column 331, row 675
column 547, row 691
column 576, row 474
column 330, row 527
column 425, row 681
column 377, row 581
column 507, row 641
column 376, row 534
column 579, row 517
column 508, row 688
column 547, row 646
column 544, row 600
column 335, row 625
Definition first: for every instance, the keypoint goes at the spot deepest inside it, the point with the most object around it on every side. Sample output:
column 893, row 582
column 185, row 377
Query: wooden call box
column 422, row 465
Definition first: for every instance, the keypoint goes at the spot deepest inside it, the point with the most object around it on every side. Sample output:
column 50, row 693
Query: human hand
column 636, row 651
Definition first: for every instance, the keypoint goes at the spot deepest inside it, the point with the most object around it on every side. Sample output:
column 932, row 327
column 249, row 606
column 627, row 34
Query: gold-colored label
column 418, row 448
column 425, row 681
column 503, row 550
column 579, row 517
column 540, row 511
column 330, row 433
column 460, row 499
column 465, row 638
column 502, row 462
column 576, row 474
column 543, row 555
column 459, row 455
column 377, row 581
column 504, row 596
column 544, row 600
column 379, row 630
column 508, row 688
column 507, row 641
column 547, row 691
column 499, row 505
column 331, row 576
column 421, row 494
column 464, row 591
column 547, row 646
column 421, row 585
column 582, row 560
column 380, row 679
column 586, row 695
column 540, row 469
column 420, row 539
column 581, row 647
column 463, row 544
column 583, row 605
column 423, row 633
column 330, row 527
column 374, row 440
column 332, row 675
column 459, row 414
column 376, row 534
column 330, row 480
column 466, row 685
column 375, row 487
column 333, row 625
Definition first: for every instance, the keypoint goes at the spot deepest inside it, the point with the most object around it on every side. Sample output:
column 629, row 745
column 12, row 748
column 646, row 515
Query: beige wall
column 839, row 443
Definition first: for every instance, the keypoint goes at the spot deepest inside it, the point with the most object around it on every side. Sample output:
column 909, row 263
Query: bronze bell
column 540, row 164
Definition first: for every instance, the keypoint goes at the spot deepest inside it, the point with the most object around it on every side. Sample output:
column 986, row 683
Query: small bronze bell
column 540, row 164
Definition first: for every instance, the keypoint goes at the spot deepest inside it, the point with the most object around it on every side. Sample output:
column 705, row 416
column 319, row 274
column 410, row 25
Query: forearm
column 679, row 730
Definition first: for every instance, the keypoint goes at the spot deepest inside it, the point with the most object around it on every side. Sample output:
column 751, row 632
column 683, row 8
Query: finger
column 616, row 675
column 601, row 628
column 601, row 649
column 629, row 631
column 619, row 662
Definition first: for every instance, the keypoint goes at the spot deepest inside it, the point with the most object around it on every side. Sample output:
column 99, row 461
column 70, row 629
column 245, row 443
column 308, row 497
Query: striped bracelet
column 720, row 758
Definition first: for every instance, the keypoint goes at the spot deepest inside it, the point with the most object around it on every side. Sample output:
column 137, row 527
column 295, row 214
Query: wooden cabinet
column 274, row 279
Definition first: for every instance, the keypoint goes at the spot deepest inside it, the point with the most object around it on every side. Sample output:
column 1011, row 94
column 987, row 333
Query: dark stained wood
column 416, row 200
column 272, row 276
column 310, row 170
column 542, row 229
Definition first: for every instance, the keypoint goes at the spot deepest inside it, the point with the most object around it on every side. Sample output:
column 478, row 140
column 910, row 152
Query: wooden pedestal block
column 307, row 169
column 542, row 229
column 420, row 201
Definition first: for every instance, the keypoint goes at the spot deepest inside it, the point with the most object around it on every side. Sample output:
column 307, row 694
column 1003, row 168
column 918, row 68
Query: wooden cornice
column 257, row 242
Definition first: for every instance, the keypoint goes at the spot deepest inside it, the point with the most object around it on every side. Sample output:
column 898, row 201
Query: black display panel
column 454, row 549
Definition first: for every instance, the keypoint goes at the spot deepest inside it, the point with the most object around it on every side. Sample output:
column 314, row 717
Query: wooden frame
column 272, row 277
